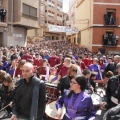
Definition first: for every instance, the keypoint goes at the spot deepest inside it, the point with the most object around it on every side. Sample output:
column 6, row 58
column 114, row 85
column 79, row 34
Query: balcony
column 59, row 8
column 50, row 4
column 3, row 24
column 110, row 18
column 59, row 18
column 110, row 39
column 50, row 14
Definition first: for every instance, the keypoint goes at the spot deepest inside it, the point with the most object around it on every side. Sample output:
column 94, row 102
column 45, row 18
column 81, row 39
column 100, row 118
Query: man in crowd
column 113, row 90
column 26, row 56
column 112, row 65
column 113, row 113
column 29, row 99
column 53, row 60
column 3, row 14
column 64, row 69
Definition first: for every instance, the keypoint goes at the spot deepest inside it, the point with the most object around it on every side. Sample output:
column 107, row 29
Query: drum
column 51, row 111
column 52, row 92
column 97, row 100
column 53, row 79
column 101, row 92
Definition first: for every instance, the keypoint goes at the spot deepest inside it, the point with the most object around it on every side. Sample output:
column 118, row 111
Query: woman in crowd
column 78, row 103
column 65, row 81
column 18, row 71
column 7, row 92
column 2, row 72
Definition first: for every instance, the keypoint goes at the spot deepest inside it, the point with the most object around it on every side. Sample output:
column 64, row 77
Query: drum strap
column 34, row 107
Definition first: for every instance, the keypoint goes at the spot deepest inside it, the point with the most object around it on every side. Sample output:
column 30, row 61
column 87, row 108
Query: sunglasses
column 73, row 82
column 74, row 70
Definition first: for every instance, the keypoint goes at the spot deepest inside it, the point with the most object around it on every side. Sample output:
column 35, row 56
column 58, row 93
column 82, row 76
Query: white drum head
column 51, row 84
column 96, row 99
column 51, row 110
column 101, row 92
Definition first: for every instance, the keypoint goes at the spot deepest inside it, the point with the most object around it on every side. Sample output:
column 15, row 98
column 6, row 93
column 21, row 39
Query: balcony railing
column 110, row 40
column 59, row 18
column 50, row 14
column 50, row 4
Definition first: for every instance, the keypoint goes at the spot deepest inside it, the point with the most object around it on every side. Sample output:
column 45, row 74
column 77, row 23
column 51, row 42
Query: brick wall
column 108, row 1
column 98, row 33
column 100, row 10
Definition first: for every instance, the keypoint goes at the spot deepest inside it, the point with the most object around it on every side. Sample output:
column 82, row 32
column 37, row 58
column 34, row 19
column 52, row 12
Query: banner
column 66, row 29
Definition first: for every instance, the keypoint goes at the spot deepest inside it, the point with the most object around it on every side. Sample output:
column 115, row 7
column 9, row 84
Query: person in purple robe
column 12, row 68
column 4, row 62
column 78, row 103
column 95, row 67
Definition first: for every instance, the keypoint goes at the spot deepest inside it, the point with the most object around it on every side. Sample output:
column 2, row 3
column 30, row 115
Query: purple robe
column 5, row 64
column 10, row 70
column 94, row 68
column 78, row 106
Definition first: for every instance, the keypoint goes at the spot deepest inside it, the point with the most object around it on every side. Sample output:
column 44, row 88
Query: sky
column 65, row 5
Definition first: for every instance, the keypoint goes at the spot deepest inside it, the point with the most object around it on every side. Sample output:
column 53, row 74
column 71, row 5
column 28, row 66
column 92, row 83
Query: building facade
column 98, row 23
column 21, row 16
column 51, row 12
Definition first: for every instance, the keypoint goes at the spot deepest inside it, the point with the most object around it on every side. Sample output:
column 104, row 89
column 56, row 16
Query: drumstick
column 4, row 107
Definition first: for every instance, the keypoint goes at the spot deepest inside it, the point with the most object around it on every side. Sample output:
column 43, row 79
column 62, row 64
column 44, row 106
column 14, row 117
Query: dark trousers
column 2, row 18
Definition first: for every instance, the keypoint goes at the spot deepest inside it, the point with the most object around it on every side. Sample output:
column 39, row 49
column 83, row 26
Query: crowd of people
column 76, row 72
column 110, row 39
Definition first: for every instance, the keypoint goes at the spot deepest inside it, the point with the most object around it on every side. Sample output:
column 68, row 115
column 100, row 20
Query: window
column 49, row 11
column 26, row 9
column 61, row 16
column 110, row 17
column 52, row 37
column 29, row 11
column 33, row 11
column 79, row 38
column 110, row 38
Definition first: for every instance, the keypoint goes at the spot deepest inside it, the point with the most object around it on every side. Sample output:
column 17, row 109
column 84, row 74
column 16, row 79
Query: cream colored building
column 53, row 16
column 88, row 16
column 51, row 13
column 80, row 17
column 22, row 15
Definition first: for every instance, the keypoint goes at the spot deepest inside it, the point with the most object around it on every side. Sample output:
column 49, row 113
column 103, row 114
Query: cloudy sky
column 65, row 5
